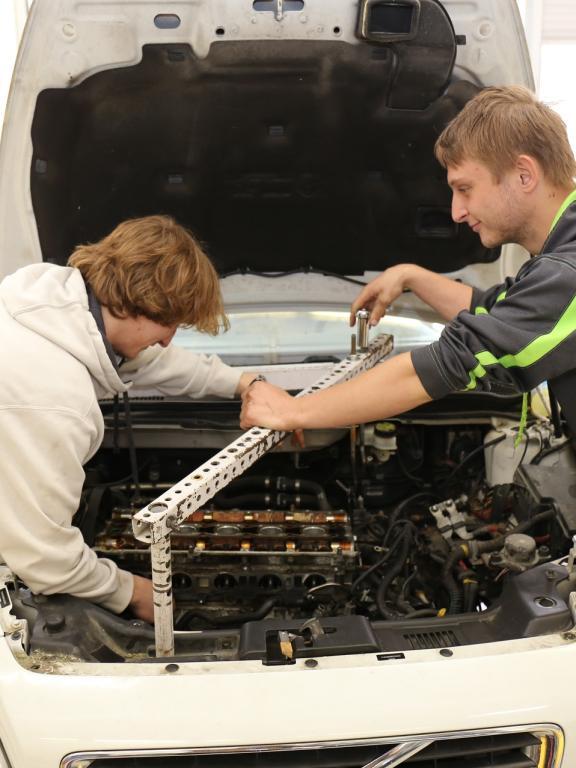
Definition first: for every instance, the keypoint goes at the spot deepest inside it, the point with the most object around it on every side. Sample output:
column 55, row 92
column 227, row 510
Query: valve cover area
column 231, row 558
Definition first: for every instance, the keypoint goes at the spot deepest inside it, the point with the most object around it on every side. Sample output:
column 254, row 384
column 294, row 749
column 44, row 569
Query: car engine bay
column 416, row 532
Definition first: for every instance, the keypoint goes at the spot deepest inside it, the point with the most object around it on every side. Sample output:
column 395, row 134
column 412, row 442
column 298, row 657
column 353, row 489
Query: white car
column 325, row 614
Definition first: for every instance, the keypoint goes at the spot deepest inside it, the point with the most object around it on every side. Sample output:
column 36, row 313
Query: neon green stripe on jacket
column 532, row 352
column 483, row 310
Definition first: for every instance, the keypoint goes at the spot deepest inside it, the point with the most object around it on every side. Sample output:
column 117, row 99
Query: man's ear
column 527, row 172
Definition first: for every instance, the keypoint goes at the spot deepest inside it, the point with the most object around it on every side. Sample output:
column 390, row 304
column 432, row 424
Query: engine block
column 240, row 554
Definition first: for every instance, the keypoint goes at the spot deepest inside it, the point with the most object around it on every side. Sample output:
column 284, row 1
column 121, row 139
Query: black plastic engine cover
column 342, row 635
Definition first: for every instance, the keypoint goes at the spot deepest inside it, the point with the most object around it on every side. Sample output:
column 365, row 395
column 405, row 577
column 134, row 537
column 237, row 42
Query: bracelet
column 260, row 377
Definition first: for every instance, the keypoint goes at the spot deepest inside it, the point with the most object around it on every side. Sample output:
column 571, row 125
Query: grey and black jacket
column 517, row 334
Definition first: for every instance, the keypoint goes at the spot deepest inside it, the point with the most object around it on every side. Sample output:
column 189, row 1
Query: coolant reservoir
column 503, row 458
column 384, row 440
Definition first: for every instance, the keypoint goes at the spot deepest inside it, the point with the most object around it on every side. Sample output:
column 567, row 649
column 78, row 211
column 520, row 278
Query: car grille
column 512, row 748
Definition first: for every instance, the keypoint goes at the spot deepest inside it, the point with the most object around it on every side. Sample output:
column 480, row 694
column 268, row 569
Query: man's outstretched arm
column 387, row 390
column 446, row 296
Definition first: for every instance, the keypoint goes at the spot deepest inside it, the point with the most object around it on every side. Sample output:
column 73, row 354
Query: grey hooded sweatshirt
column 53, row 369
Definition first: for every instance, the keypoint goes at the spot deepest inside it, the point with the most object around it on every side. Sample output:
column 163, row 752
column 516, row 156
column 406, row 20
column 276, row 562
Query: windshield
column 268, row 337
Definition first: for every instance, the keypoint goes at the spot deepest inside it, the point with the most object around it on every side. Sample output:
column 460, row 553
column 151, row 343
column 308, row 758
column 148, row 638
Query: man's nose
column 459, row 210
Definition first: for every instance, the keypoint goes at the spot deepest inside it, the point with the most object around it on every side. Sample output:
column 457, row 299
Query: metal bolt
column 446, row 652
column 544, row 551
column 362, row 329
column 16, row 636
column 172, row 667
column 569, row 636
column 311, row 663
column 551, row 575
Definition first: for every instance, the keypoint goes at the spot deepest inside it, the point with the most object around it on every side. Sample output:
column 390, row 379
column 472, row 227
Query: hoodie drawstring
column 131, row 447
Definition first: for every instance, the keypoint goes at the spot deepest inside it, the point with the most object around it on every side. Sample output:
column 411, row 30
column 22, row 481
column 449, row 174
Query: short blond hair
column 499, row 124
column 154, row 267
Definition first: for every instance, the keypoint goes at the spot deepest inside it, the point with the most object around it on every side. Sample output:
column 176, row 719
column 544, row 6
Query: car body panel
column 243, row 704
column 53, row 705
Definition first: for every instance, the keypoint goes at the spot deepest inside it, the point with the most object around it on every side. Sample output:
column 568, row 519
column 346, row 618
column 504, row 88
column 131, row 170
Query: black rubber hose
column 397, row 511
column 470, row 595
column 455, row 598
column 490, row 546
column 384, row 559
column 547, row 452
column 226, row 620
column 421, row 613
column 471, row 455
column 393, row 521
column 555, row 414
column 131, row 448
column 390, row 575
column 461, row 551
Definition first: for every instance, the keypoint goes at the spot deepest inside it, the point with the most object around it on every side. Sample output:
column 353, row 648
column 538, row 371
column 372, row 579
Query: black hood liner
column 278, row 155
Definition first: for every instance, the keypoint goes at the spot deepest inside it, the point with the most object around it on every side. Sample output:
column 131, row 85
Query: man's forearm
column 446, row 296
column 387, row 390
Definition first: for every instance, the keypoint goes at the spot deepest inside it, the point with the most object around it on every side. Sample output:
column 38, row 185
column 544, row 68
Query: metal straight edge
column 154, row 523
column 160, row 552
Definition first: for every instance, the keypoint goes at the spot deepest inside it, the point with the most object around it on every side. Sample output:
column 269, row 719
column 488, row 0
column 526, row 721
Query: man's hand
column 142, row 603
column 381, row 292
column 264, row 405
column 447, row 297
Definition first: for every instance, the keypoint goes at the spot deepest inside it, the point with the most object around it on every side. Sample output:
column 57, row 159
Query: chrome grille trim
column 554, row 732
column 397, row 755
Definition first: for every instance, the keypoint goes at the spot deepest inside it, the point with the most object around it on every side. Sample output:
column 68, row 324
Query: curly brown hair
column 499, row 124
column 154, row 267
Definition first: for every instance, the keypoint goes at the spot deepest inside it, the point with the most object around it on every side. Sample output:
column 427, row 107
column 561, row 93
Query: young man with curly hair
column 70, row 336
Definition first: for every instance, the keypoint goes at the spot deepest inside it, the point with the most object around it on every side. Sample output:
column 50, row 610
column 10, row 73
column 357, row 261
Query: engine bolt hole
column 545, row 602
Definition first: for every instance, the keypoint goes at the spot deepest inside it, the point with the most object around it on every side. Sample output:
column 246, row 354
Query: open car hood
column 305, row 142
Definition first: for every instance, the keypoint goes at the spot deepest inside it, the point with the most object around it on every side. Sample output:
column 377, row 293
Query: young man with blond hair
column 511, row 171
column 71, row 335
